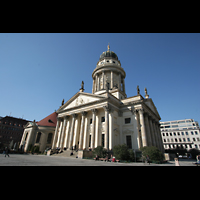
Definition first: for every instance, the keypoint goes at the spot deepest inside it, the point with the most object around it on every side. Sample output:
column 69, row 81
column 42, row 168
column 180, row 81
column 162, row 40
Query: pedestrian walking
column 198, row 158
column 148, row 159
column 6, row 152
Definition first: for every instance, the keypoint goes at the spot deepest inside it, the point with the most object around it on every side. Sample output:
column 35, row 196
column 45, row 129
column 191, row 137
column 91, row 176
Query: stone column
column 82, row 130
column 106, row 108
column 96, row 83
column 148, row 135
column 149, row 132
column 152, row 131
column 120, row 82
column 111, row 80
column 56, row 133
column 63, row 132
column 155, row 133
column 93, row 87
column 94, row 111
column 120, row 114
column 124, row 86
column 138, row 129
column 159, row 137
column 75, row 132
column 85, row 134
column 103, row 80
column 59, row 133
column 110, row 130
column 96, row 143
column 67, row 132
column 72, row 131
column 143, row 132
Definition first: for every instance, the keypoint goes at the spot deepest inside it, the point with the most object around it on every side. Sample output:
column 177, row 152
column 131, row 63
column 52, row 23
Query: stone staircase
column 66, row 154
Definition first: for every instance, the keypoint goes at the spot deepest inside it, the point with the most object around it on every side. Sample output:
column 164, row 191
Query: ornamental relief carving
column 128, row 131
column 79, row 101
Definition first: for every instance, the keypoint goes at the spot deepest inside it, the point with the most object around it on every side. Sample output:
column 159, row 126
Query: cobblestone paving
column 42, row 160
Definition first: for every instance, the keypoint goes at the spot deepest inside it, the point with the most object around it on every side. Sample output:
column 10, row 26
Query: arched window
column 49, row 138
column 38, row 137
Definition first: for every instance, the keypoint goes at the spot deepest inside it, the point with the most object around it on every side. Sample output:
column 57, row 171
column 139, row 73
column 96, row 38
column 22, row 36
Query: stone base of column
column 85, row 154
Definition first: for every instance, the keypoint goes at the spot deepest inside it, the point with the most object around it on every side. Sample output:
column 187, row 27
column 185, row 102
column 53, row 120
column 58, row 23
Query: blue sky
column 38, row 70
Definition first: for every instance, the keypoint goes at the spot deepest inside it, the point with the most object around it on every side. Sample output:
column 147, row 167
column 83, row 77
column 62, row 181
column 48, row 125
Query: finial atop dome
column 108, row 46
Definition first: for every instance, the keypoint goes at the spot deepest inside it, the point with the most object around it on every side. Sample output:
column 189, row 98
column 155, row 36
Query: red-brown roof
column 50, row 120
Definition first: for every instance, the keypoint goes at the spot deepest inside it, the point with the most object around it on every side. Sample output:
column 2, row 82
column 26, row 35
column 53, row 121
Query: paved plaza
column 42, row 160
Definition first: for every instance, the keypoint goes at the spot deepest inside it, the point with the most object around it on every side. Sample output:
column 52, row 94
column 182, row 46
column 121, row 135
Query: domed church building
column 106, row 117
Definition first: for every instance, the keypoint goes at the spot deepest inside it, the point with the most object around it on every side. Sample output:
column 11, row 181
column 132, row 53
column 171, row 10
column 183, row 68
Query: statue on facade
column 146, row 95
column 145, row 90
column 138, row 90
column 82, row 85
column 63, row 102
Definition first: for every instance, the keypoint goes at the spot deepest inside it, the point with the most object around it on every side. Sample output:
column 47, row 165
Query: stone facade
column 104, row 117
column 107, row 117
column 39, row 133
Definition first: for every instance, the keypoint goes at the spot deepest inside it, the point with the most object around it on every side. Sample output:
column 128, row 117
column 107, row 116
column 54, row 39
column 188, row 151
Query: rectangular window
column 90, row 141
column 102, row 140
column 90, row 121
column 127, row 120
column 103, row 119
column 128, row 141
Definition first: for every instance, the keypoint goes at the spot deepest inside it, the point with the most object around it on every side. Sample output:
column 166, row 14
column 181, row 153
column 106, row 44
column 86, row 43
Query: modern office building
column 180, row 134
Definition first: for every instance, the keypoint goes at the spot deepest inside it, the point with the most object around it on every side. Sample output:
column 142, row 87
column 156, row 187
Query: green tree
column 36, row 149
column 153, row 153
column 100, row 151
column 121, row 152
column 30, row 147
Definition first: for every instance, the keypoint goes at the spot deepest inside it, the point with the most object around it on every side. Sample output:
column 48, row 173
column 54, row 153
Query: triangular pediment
column 80, row 99
column 29, row 125
column 151, row 105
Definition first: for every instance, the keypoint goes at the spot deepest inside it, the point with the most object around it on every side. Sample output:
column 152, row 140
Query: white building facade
column 183, row 134
column 106, row 117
